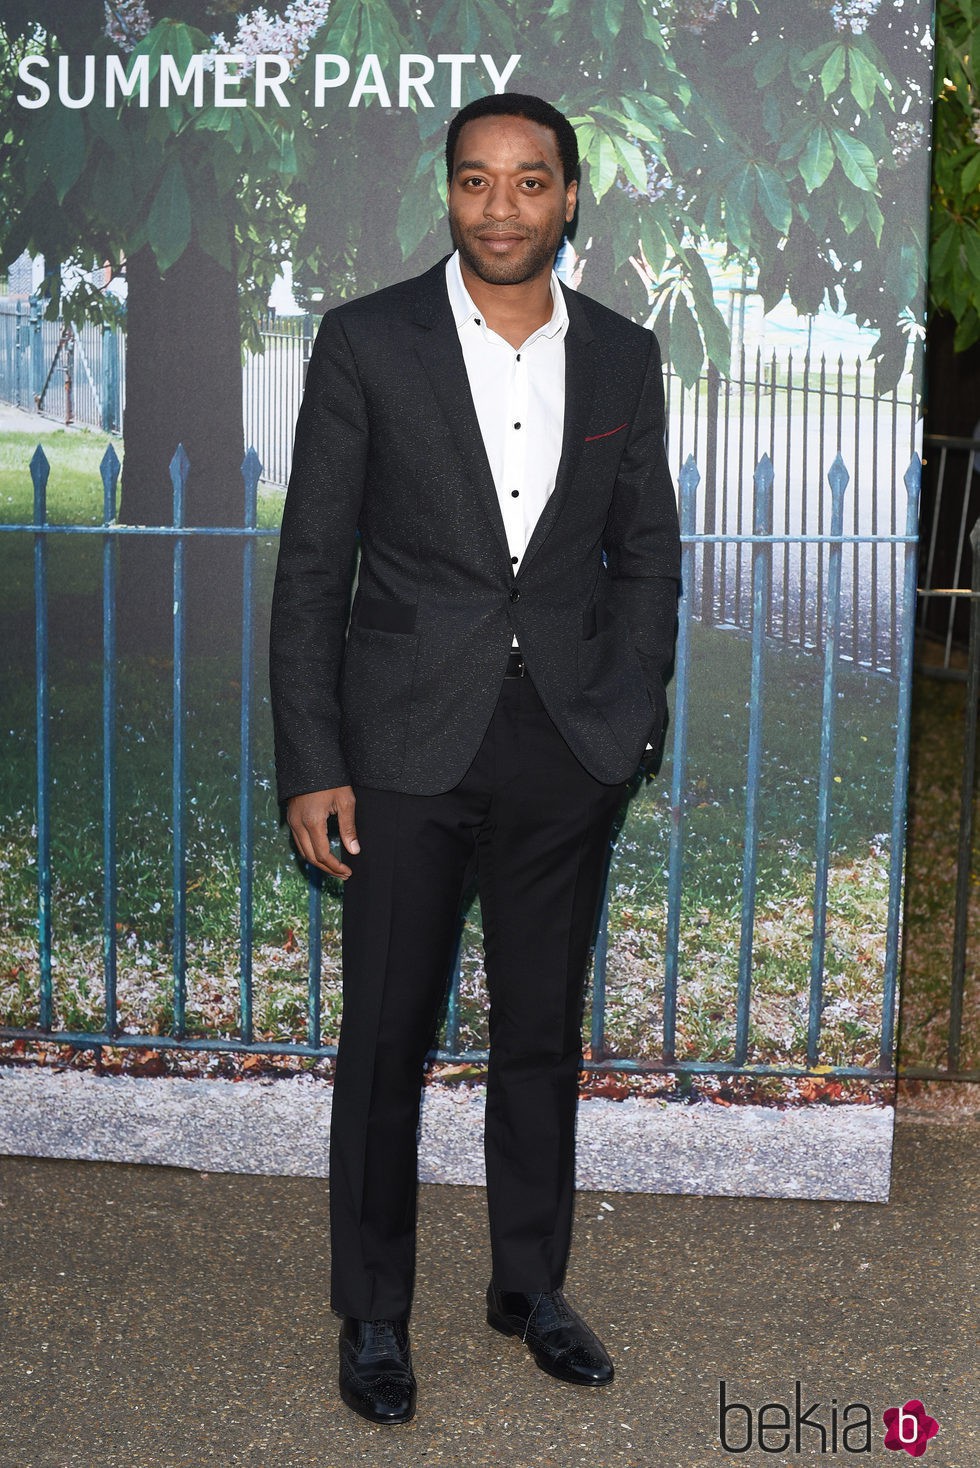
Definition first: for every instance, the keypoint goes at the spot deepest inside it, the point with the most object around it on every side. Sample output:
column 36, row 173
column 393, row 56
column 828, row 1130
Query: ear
column 571, row 199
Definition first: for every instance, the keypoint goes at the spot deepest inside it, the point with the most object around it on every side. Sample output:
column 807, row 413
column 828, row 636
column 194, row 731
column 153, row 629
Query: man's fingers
column 322, row 856
column 345, row 823
column 307, row 816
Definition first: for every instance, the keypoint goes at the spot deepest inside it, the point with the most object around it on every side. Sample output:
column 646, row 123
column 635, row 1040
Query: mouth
column 501, row 239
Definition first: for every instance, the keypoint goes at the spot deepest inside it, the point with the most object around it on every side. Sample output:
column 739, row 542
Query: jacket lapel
column 442, row 357
column 579, row 386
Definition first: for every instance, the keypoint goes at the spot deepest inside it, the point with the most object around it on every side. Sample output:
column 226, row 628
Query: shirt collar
column 464, row 309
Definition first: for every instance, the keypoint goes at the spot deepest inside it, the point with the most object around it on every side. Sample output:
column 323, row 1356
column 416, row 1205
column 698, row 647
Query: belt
column 515, row 665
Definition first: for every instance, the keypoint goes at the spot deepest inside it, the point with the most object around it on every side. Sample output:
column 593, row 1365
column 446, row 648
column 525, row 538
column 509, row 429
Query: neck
column 512, row 311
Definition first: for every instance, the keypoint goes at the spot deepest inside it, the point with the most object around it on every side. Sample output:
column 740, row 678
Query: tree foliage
column 99, row 183
column 954, row 263
column 782, row 131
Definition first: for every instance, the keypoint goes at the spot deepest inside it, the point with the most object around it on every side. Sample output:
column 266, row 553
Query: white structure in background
column 24, row 276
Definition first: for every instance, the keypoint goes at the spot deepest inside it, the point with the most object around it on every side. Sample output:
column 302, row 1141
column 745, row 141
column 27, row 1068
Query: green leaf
column 464, row 19
column 967, row 331
column 874, row 216
column 971, row 250
column 288, row 162
column 857, row 160
column 772, row 279
column 585, row 134
column 890, row 351
column 770, row 63
column 832, row 71
column 498, row 24
column 603, row 164
column 633, row 163
column 772, row 115
column 64, row 149
column 774, row 199
column 851, row 208
column 970, row 177
column 945, row 247
column 866, row 80
column 686, row 350
column 613, row 16
column 817, row 159
column 213, row 235
column 654, row 246
column 902, row 272
column 213, row 119
column 714, row 328
column 622, row 233
column 812, row 59
column 169, row 220
column 739, row 202
column 418, row 213
column 110, row 194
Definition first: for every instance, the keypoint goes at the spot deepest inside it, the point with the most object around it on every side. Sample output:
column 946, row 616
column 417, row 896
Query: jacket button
column 515, row 595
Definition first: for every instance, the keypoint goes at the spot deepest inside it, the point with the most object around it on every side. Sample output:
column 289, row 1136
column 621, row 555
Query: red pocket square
column 591, row 437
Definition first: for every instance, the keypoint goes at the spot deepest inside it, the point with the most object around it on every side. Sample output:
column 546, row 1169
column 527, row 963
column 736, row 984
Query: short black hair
column 518, row 104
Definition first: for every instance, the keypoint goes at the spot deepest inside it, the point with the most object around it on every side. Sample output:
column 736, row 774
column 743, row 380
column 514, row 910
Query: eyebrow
column 538, row 166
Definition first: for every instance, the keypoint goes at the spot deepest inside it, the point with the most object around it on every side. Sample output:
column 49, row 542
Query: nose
column 501, row 201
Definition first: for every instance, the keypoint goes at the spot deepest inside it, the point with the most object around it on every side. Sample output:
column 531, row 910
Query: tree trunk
column 183, row 386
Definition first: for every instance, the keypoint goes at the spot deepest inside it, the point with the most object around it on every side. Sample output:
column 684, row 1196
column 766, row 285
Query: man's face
column 508, row 203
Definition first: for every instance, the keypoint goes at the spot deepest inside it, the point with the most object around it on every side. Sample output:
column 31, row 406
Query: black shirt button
column 513, row 560
column 514, row 493
column 517, row 425
column 515, row 595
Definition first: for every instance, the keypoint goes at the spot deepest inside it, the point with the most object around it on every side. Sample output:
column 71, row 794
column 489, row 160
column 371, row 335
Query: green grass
column 713, row 815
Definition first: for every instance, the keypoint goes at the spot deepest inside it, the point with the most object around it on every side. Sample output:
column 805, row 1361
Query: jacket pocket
column 375, row 695
column 377, row 614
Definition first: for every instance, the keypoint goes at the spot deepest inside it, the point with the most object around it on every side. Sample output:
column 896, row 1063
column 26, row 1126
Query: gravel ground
column 157, row 1317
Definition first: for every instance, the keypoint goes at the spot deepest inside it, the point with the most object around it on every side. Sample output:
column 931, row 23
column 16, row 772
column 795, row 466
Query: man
column 496, row 443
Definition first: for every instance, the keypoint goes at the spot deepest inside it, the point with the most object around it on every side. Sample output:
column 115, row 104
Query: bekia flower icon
column 909, row 1427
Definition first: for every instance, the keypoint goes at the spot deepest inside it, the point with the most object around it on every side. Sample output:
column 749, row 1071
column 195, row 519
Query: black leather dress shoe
column 376, row 1376
column 558, row 1339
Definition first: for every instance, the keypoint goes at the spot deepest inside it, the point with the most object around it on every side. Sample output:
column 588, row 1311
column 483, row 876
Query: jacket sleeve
column 642, row 544
column 313, row 577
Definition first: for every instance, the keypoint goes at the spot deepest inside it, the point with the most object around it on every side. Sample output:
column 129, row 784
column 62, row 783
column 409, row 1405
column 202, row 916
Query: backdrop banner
column 188, row 187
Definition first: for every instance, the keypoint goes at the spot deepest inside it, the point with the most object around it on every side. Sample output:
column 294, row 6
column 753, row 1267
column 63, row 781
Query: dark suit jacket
column 388, row 446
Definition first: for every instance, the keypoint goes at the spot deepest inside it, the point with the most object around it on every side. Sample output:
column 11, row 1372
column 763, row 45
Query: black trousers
column 536, row 825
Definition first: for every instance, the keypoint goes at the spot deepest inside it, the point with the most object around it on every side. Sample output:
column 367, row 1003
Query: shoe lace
column 550, row 1308
column 381, row 1339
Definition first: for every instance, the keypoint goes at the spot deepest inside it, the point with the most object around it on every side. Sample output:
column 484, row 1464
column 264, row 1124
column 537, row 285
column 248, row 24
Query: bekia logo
column 909, row 1427
column 814, row 1427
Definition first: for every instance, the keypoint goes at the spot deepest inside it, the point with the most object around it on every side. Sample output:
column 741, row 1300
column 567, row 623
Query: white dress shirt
column 519, row 395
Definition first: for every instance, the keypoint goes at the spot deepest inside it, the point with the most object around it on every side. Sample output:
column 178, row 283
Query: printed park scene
column 753, row 188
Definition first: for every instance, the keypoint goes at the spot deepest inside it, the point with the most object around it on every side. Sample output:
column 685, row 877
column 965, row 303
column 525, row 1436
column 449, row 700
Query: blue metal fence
column 800, row 409
column 760, row 544
column 73, row 373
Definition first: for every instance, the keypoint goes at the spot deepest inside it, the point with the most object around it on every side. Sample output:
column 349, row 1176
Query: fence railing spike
column 40, row 468
column 838, row 477
column 180, row 463
column 913, row 482
column 251, row 464
column 109, row 463
column 109, row 467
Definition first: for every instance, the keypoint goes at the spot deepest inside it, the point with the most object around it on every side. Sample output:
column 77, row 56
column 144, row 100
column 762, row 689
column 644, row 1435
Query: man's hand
column 307, row 816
